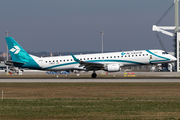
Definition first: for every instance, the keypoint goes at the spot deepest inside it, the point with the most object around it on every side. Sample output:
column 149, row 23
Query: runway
column 88, row 80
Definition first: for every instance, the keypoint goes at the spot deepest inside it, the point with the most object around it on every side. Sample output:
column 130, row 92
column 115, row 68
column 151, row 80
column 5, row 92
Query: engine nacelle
column 112, row 68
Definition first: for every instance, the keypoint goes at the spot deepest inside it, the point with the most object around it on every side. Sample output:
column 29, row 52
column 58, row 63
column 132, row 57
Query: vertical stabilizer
column 18, row 54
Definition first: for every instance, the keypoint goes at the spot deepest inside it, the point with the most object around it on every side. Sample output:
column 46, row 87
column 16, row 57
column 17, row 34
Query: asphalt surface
column 89, row 80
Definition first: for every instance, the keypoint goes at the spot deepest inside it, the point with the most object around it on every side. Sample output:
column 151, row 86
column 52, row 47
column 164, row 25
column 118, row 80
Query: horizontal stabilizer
column 13, row 62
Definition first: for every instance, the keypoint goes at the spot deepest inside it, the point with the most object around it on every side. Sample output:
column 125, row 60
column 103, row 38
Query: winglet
column 75, row 59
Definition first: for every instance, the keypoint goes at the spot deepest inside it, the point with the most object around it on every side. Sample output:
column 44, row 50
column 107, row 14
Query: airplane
column 111, row 62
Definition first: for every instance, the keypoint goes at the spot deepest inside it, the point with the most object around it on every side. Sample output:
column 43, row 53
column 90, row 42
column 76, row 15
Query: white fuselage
column 142, row 57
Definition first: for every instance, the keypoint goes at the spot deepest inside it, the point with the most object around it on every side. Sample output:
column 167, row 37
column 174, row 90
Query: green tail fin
column 18, row 54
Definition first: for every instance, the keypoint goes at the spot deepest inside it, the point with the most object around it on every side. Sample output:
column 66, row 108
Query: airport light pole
column 7, row 33
column 102, row 39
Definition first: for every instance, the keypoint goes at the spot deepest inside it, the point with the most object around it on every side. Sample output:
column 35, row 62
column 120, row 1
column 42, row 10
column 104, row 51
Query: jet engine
column 112, row 68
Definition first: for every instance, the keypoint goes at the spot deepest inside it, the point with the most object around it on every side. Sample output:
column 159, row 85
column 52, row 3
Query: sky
column 75, row 25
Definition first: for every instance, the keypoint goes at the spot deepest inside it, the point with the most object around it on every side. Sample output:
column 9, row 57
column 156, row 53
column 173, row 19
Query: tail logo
column 15, row 50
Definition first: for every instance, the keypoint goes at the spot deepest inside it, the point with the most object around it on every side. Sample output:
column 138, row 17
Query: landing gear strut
column 94, row 75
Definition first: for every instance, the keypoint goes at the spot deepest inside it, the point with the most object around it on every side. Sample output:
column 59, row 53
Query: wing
column 89, row 65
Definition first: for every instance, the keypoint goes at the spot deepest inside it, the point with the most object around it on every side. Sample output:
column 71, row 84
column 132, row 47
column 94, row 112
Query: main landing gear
column 94, row 75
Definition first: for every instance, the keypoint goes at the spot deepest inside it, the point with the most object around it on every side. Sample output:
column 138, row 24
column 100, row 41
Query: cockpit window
column 164, row 53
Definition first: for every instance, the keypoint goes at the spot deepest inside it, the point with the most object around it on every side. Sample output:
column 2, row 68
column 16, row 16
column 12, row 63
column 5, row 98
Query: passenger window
column 129, row 56
column 114, row 56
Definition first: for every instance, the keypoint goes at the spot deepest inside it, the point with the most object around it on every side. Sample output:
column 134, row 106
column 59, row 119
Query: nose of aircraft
column 173, row 58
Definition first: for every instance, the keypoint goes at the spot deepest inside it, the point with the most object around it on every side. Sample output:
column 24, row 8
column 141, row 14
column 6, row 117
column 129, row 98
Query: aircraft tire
column 94, row 75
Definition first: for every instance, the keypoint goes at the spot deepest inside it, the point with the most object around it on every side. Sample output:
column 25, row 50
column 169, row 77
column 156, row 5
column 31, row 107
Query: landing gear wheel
column 94, row 75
